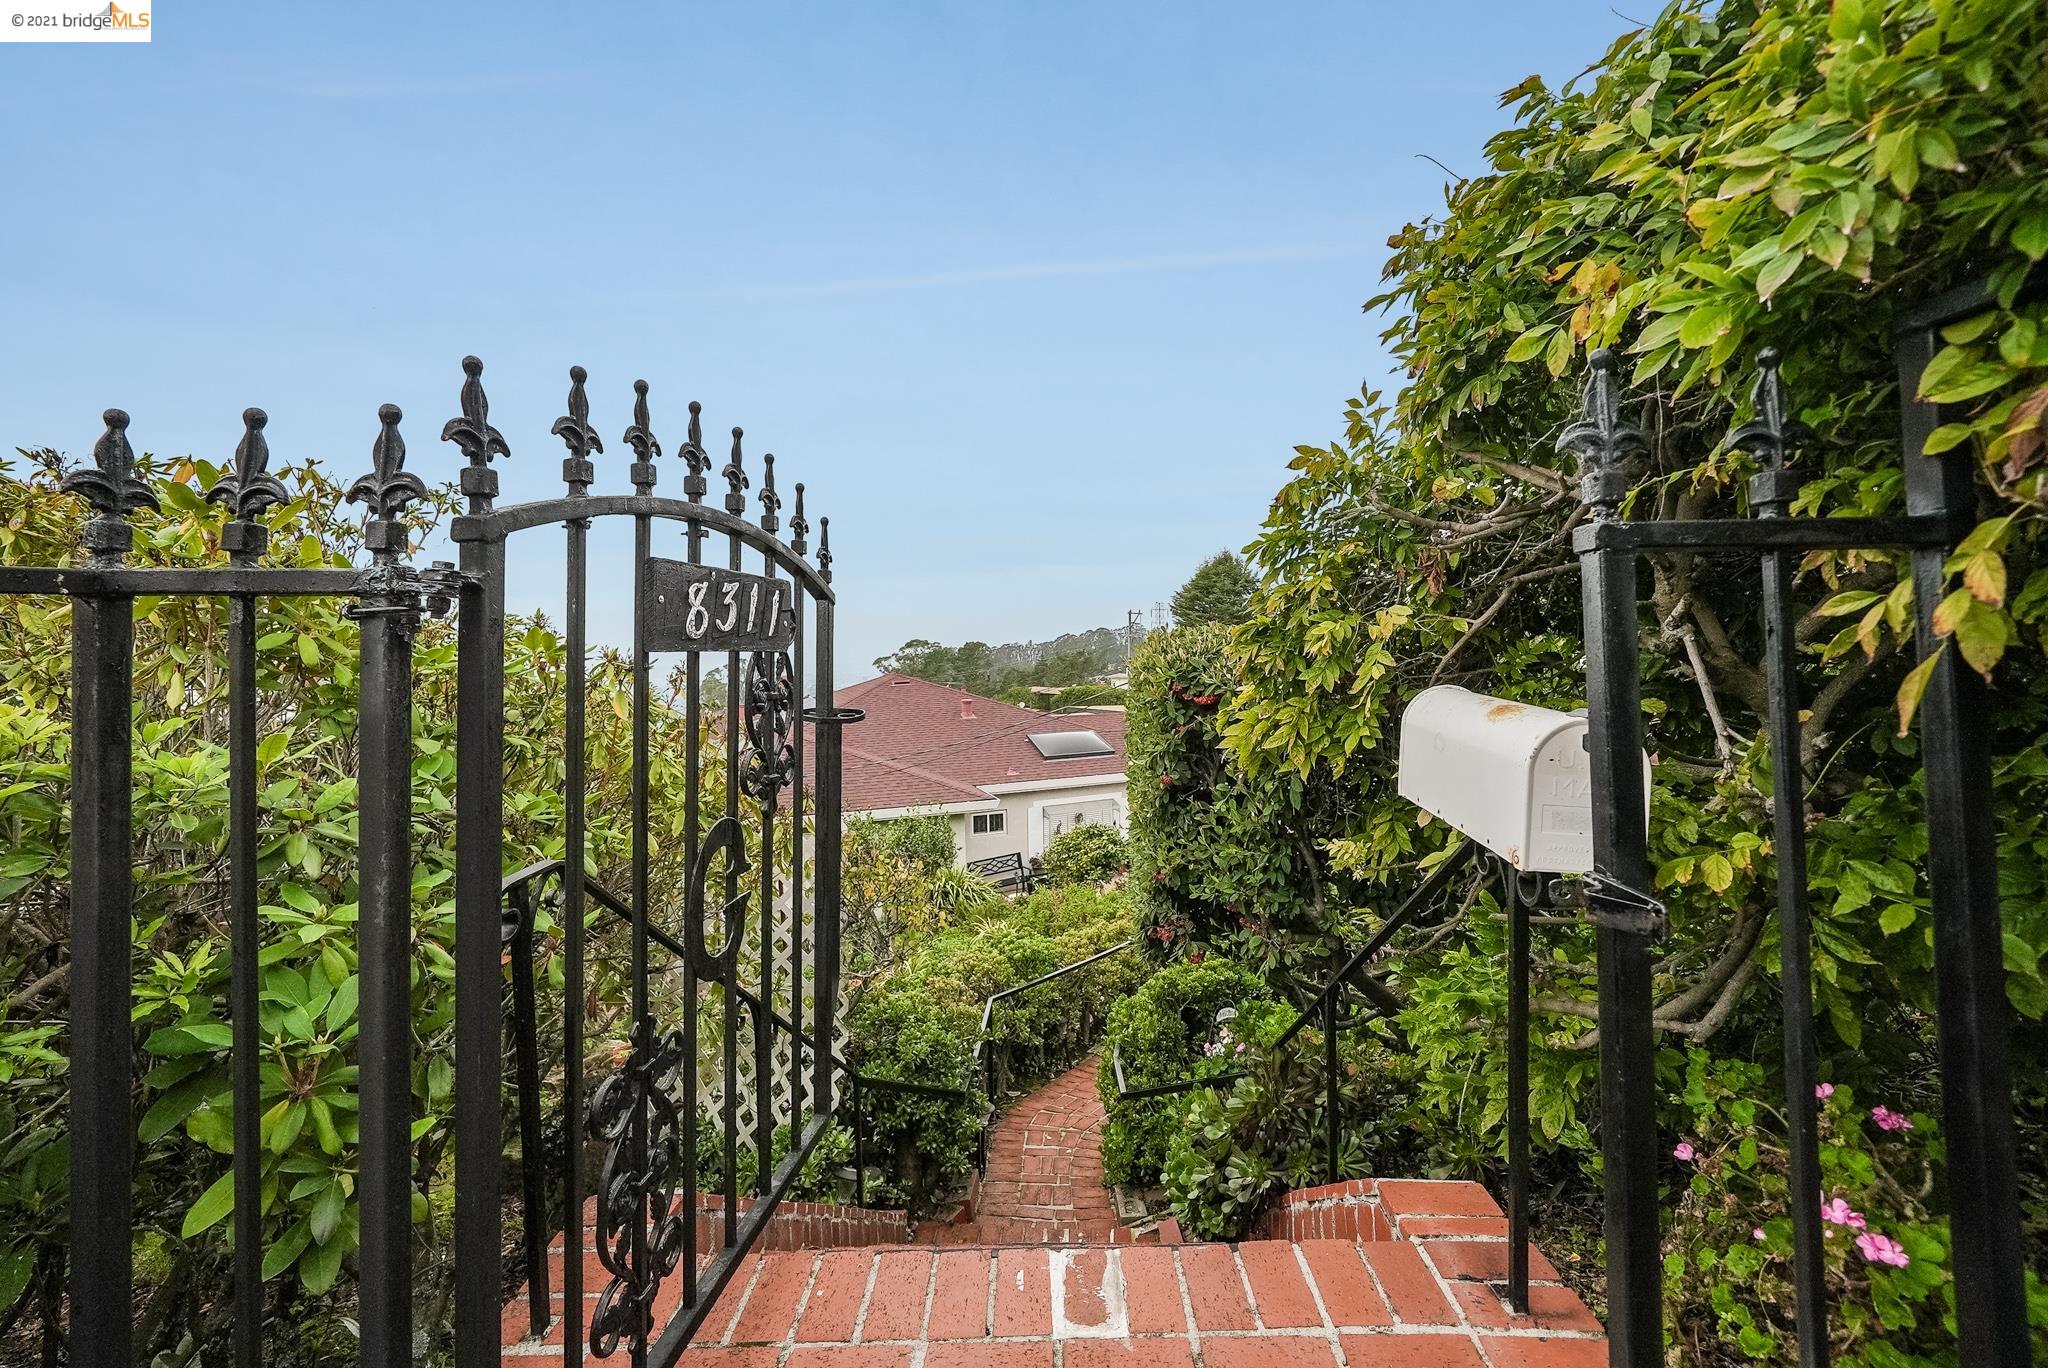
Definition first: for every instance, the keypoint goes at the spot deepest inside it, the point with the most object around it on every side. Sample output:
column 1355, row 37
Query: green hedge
column 920, row 1022
column 1160, row 1032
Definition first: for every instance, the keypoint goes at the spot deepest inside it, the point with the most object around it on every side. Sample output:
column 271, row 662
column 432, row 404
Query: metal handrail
column 1323, row 1005
column 517, row 934
column 981, row 1043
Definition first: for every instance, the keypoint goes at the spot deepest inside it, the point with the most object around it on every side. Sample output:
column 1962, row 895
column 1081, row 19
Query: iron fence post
column 1962, row 859
column 387, row 613
column 1628, row 1104
column 1518, row 1091
column 247, row 490
column 479, row 826
column 102, row 893
column 1769, row 437
column 102, row 898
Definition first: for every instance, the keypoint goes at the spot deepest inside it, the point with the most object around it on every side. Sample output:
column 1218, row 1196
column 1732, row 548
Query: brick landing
column 1260, row 1304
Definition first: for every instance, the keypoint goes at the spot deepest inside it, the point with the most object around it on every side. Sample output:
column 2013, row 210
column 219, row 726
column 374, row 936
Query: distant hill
column 1107, row 642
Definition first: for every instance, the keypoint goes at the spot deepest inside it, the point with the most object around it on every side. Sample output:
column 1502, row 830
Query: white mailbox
column 1513, row 776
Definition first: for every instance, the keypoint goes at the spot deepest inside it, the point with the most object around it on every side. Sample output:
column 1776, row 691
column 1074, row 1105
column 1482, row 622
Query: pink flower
column 1882, row 1249
column 1838, row 1212
column 1758, row 1233
column 1823, row 1091
column 1889, row 1120
column 1684, row 1152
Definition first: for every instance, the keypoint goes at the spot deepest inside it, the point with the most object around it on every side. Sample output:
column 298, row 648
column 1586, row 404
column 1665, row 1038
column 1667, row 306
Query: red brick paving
column 1395, row 1274
column 1044, row 1181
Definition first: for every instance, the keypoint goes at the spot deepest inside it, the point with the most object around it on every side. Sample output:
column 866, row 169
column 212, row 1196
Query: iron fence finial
column 641, row 438
column 476, row 439
column 389, row 486
column 248, row 489
column 825, row 549
column 1771, row 438
column 1600, row 439
column 113, row 489
column 799, row 525
column 735, row 477
column 771, row 502
column 578, row 435
column 697, row 463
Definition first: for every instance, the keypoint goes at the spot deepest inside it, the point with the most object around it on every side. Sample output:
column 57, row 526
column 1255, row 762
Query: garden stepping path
column 1044, row 1179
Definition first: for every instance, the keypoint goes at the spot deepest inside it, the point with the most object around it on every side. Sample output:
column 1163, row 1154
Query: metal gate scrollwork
column 770, row 762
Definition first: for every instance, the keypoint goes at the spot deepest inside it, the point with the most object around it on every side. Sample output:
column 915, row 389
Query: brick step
column 1259, row 1304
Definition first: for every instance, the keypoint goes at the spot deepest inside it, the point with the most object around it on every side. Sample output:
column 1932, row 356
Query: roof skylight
column 1070, row 745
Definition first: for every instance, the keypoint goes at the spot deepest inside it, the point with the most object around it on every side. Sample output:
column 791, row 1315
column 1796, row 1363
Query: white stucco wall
column 1029, row 816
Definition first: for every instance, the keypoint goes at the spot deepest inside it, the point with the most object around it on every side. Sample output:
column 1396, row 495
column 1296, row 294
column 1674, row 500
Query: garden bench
column 1004, row 871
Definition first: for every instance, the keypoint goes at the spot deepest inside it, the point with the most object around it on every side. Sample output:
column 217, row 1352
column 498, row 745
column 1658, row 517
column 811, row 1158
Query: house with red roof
column 1009, row 778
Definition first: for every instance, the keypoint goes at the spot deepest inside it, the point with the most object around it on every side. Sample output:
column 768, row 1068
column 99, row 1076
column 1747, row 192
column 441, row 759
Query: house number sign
column 705, row 608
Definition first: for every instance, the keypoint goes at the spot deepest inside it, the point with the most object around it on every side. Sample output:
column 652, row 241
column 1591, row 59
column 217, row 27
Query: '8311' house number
column 704, row 608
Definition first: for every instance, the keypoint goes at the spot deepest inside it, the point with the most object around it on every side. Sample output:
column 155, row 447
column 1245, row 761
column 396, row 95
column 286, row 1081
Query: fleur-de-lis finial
column 248, row 489
column 1602, row 442
column 799, row 525
column 825, row 549
column 771, row 502
column 640, row 437
column 581, row 438
column 1771, row 438
column 389, row 486
column 735, row 475
column 111, row 486
column 474, row 436
column 694, row 483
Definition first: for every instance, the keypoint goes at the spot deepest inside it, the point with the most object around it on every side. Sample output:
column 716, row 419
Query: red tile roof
column 917, row 749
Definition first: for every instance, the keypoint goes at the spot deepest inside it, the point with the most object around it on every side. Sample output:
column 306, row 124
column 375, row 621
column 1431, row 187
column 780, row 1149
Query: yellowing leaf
column 1914, row 687
column 1984, row 577
column 1950, row 612
column 1717, row 872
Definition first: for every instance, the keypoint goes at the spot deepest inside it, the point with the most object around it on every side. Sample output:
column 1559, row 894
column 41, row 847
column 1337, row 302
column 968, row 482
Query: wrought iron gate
column 773, row 628
column 1983, row 1197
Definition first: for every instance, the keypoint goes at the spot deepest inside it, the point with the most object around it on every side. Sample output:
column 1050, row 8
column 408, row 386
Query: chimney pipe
column 966, row 708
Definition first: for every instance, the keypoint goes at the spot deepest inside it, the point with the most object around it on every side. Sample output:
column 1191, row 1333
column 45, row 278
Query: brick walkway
column 1396, row 1301
column 1361, row 1274
column 1044, row 1180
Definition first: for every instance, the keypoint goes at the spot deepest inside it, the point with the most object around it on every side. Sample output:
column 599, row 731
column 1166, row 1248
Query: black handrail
column 981, row 1043
column 1324, row 1006
column 519, row 906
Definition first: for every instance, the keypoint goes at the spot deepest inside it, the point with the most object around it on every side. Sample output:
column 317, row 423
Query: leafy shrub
column 1230, row 1150
column 307, row 888
column 1160, row 1032
column 1085, row 854
column 1221, row 855
column 1762, row 172
column 920, row 1022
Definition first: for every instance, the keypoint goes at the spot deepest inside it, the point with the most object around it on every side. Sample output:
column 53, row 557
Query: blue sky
column 1036, row 298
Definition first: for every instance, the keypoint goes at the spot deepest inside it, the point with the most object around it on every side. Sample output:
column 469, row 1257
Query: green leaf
column 326, row 1213
column 1530, row 343
column 17, row 1265
column 285, row 1251
column 2030, row 235
column 1782, row 268
column 213, row 1204
column 1946, row 437
column 271, row 748
column 1896, row 917
column 320, row 1264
